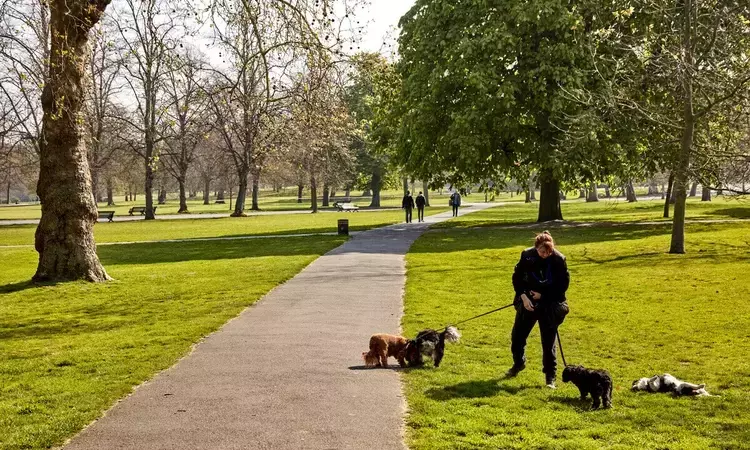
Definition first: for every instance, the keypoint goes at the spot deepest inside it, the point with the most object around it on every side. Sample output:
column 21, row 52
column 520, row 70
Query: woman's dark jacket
column 549, row 277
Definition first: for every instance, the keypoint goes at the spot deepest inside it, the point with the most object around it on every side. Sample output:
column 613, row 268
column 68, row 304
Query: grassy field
column 69, row 351
column 635, row 311
column 221, row 227
column 615, row 211
column 285, row 200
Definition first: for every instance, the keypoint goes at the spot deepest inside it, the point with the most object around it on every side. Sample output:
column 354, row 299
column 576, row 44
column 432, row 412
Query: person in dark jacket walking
column 408, row 204
column 455, row 202
column 421, row 201
column 540, row 280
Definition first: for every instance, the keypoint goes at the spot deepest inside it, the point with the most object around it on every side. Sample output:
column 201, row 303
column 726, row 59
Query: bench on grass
column 139, row 209
column 107, row 215
column 346, row 206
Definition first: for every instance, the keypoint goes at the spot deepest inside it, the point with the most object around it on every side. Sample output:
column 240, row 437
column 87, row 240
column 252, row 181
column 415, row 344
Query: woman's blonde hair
column 544, row 240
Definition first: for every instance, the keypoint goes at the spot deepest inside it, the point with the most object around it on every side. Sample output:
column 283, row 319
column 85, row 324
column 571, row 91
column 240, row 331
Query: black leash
column 559, row 343
column 483, row 314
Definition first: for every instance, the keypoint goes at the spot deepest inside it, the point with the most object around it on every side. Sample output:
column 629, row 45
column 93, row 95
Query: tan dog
column 384, row 345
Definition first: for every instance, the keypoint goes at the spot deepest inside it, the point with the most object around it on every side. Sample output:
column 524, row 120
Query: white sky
column 380, row 17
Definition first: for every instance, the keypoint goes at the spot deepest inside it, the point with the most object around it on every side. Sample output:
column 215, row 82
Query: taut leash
column 484, row 314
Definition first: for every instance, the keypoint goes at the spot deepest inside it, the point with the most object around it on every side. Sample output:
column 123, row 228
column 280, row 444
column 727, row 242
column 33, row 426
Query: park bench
column 107, row 215
column 139, row 209
column 346, row 206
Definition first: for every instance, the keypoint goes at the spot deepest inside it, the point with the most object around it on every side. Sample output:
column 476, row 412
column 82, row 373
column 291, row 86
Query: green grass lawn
column 722, row 208
column 221, row 227
column 69, row 351
column 635, row 311
column 285, row 200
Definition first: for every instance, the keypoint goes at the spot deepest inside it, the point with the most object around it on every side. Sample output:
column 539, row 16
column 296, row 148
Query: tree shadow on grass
column 23, row 285
column 735, row 213
column 474, row 389
column 168, row 252
column 575, row 402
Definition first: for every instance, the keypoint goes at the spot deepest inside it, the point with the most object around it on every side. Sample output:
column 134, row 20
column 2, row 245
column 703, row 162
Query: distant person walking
column 421, row 202
column 455, row 202
column 408, row 204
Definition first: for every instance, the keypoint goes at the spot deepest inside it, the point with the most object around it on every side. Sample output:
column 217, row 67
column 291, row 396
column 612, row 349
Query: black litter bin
column 344, row 226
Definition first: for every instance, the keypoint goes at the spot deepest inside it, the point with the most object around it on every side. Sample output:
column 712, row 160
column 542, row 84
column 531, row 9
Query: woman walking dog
column 540, row 280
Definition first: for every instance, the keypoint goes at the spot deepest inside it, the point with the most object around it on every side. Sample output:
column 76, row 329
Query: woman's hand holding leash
column 527, row 303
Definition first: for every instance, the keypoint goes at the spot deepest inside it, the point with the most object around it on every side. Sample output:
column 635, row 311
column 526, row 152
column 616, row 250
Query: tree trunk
column 183, row 199
column 668, row 194
column 549, row 197
column 532, row 189
column 375, row 185
column 606, row 192
column 593, row 195
column 206, row 191
column 313, row 194
column 693, row 189
column 705, row 194
column 426, row 187
column 630, row 192
column 528, row 195
column 64, row 237
column 95, row 186
column 582, row 193
column 677, row 244
column 347, row 193
column 326, row 192
column 149, row 191
column 110, row 193
column 239, row 205
column 7, row 192
column 299, row 193
column 256, row 190
column 220, row 197
column 406, row 185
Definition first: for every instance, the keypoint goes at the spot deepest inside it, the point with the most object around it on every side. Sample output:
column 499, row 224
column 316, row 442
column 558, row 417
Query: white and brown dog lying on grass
column 668, row 383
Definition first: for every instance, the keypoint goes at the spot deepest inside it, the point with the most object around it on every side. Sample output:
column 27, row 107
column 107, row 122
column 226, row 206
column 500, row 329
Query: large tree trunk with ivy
column 549, row 197
column 65, row 235
column 426, row 190
column 149, row 188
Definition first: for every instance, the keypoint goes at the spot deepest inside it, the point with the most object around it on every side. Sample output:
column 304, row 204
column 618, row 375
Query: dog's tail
column 371, row 359
column 450, row 334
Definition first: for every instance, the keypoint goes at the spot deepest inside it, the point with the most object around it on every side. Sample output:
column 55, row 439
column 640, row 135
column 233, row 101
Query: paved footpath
column 286, row 373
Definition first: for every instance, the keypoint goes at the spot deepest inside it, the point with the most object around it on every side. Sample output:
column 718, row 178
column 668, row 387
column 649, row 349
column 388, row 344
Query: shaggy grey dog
column 668, row 383
column 598, row 383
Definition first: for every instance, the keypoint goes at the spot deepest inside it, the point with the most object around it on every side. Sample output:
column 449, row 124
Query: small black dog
column 430, row 343
column 598, row 383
